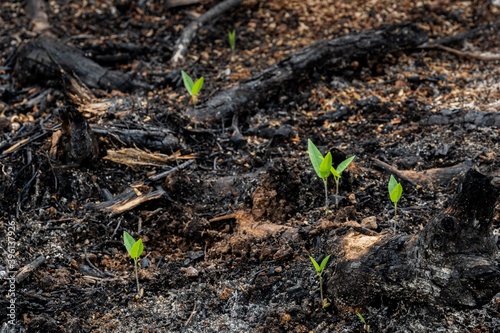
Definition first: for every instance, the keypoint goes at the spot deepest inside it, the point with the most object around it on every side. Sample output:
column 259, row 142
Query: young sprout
column 322, row 166
column 134, row 249
column 319, row 271
column 337, row 174
column 232, row 40
column 193, row 88
column 366, row 327
column 395, row 192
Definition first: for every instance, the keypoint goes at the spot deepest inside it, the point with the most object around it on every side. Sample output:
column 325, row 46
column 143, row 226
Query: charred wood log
column 450, row 262
column 46, row 58
column 76, row 143
column 429, row 177
column 42, row 59
column 154, row 138
column 324, row 54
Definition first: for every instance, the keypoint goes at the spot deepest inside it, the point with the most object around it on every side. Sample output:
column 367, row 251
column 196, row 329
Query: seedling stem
column 366, row 327
column 395, row 193
column 232, row 40
column 320, row 268
column 134, row 249
column 326, row 194
column 321, row 165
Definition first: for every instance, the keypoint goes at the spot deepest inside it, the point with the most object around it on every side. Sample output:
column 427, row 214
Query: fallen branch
column 127, row 200
column 154, row 138
column 324, row 54
column 429, row 177
column 25, row 271
column 182, row 44
column 134, row 157
column 168, row 172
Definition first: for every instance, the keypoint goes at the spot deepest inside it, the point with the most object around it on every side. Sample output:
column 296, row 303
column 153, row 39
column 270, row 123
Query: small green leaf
column 335, row 173
column 324, row 262
column 361, row 318
column 396, row 193
column 315, row 264
column 197, row 86
column 136, row 250
column 392, row 184
column 342, row 166
column 188, row 82
column 325, row 166
column 315, row 156
column 128, row 241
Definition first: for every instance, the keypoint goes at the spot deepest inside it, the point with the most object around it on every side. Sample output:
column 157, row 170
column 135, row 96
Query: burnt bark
column 336, row 53
column 154, row 138
column 46, row 58
column 450, row 262
column 430, row 178
column 77, row 144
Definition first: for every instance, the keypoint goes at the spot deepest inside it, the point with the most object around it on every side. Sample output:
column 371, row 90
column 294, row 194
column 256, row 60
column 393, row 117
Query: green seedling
column 320, row 268
column 337, row 174
column 232, row 39
column 134, row 249
column 395, row 192
column 322, row 166
column 366, row 327
column 193, row 88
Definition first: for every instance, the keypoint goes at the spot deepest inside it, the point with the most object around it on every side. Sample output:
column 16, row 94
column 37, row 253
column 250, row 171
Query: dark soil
column 226, row 247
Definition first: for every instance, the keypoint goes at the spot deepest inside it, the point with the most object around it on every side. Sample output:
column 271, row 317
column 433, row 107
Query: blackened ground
column 226, row 249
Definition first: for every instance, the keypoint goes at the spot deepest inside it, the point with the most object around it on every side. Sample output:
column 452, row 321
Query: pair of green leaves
column 134, row 248
column 323, row 165
column 320, row 267
column 193, row 88
column 395, row 192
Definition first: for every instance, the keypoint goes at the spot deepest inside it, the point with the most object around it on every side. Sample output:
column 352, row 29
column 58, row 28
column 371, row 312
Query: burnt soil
column 226, row 247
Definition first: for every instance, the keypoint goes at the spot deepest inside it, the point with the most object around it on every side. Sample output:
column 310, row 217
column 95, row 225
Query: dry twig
column 182, row 44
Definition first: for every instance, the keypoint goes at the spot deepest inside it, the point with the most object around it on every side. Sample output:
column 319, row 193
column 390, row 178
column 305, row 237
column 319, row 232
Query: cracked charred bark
column 450, row 262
